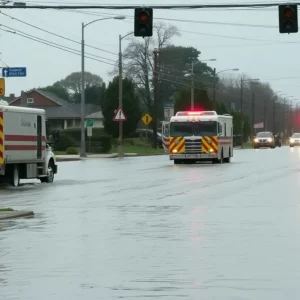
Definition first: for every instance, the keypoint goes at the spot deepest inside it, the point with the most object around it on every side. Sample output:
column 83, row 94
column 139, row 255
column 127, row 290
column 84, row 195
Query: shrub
column 71, row 150
column 75, row 133
column 99, row 144
column 65, row 142
column 129, row 142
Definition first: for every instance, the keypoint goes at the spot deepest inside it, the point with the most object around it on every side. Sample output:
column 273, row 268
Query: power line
column 24, row 33
column 270, row 42
column 124, row 7
column 54, row 45
column 57, row 35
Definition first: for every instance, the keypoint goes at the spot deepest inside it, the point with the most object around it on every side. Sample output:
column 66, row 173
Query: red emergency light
column 195, row 113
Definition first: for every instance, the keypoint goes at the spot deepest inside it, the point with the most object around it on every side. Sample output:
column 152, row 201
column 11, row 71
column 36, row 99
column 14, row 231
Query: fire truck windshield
column 206, row 128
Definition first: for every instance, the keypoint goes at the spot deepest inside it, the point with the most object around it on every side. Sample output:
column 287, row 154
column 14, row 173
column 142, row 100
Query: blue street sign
column 14, row 72
column 168, row 106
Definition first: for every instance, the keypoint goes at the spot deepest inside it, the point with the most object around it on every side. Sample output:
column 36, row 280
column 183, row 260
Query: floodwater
column 143, row 228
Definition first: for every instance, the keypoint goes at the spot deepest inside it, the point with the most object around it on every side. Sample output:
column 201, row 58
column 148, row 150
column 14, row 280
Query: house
column 60, row 114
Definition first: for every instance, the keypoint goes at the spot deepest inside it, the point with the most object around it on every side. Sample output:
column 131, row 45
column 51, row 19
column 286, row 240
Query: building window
column 30, row 100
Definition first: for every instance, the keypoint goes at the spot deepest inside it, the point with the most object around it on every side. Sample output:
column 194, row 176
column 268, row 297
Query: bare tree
column 138, row 59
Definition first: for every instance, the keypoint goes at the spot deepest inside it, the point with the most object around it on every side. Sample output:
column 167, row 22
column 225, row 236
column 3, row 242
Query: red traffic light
column 144, row 16
column 288, row 13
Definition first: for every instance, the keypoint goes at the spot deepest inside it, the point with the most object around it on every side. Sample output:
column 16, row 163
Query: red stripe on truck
column 22, row 138
column 22, row 147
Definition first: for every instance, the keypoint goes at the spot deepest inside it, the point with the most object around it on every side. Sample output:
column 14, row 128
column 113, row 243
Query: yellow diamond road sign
column 146, row 119
column 2, row 87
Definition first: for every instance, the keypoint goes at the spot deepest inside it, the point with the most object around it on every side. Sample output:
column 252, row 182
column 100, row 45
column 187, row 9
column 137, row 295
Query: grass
column 248, row 145
column 60, row 153
column 6, row 209
column 140, row 150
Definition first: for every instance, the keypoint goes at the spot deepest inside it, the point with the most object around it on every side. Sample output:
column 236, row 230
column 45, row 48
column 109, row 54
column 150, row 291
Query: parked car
column 295, row 140
column 264, row 139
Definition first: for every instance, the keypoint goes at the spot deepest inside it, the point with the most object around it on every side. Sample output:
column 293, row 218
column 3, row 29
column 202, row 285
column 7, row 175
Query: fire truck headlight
column 211, row 150
column 174, row 151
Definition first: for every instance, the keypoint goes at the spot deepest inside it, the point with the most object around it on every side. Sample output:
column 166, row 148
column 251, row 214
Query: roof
column 95, row 115
column 64, row 109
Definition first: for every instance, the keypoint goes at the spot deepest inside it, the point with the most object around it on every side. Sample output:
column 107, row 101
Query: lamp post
column 121, row 146
column 241, row 106
column 215, row 76
column 82, row 144
column 193, row 83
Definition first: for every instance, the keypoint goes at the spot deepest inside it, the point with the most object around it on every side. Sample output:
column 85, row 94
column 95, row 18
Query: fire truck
column 193, row 136
column 24, row 152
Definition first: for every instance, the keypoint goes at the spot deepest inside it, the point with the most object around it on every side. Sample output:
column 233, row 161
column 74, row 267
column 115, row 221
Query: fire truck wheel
column 50, row 174
column 15, row 178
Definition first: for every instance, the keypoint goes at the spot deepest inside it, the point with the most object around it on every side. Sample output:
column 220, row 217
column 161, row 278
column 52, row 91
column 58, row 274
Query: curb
column 4, row 215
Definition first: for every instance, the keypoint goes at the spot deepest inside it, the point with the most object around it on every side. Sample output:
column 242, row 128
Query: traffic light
column 143, row 22
column 288, row 18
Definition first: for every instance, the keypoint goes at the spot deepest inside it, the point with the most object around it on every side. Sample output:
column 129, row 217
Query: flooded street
column 144, row 228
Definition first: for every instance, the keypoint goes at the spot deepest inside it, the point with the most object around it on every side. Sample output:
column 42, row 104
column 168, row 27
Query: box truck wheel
column 50, row 173
column 15, row 176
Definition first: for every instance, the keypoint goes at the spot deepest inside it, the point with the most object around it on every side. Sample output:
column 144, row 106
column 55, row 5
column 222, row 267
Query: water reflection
column 157, row 232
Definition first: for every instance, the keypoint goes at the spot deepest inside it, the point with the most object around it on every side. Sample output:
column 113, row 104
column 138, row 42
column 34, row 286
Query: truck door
column 165, row 135
column 39, row 136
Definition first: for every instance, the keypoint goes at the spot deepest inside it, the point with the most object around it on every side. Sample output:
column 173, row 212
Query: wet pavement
column 143, row 228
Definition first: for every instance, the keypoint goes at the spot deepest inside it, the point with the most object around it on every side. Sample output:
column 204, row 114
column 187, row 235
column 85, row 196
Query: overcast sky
column 251, row 42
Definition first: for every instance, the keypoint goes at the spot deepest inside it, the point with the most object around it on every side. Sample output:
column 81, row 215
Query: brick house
column 60, row 114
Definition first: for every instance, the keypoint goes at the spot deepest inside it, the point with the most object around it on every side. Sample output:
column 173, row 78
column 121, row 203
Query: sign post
column 89, row 125
column 2, row 87
column 146, row 120
column 120, row 117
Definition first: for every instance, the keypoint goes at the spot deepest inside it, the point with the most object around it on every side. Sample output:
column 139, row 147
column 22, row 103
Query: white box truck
column 24, row 153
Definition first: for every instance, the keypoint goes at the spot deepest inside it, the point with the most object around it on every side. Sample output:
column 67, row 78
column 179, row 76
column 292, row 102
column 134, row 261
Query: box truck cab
column 24, row 152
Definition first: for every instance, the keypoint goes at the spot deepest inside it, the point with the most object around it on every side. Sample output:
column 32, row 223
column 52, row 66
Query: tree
column 138, row 60
column 58, row 90
column 175, row 70
column 182, row 99
column 73, row 81
column 93, row 94
column 131, row 107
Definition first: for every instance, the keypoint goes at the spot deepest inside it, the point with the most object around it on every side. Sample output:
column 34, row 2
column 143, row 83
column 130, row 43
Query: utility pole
column 253, row 113
column 192, row 87
column 82, row 145
column 291, row 117
column 121, row 148
column 214, row 96
column 265, row 114
column 242, row 119
column 273, row 119
column 284, row 119
column 155, row 110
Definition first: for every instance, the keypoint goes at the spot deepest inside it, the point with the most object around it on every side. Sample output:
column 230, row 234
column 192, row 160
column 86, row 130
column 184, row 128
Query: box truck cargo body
column 24, row 153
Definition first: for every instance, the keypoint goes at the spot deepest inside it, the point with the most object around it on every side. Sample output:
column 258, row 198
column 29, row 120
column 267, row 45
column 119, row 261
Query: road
column 144, row 228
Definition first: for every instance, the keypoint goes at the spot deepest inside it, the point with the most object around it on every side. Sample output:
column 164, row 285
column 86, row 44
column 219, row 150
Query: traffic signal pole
column 155, row 108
